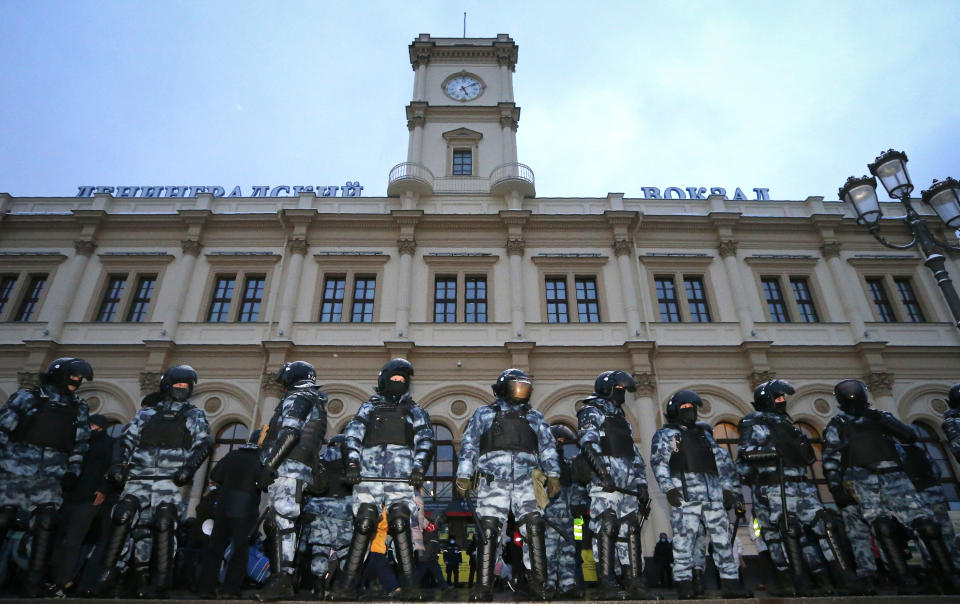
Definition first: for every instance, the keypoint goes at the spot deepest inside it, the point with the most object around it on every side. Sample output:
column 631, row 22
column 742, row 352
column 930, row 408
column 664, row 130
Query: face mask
column 179, row 394
column 688, row 415
column 780, row 407
column 395, row 390
column 618, row 396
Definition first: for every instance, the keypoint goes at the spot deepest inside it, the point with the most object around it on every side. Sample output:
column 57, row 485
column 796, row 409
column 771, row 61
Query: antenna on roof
column 464, row 24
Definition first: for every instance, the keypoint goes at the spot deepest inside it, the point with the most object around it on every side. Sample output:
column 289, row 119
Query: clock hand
column 464, row 90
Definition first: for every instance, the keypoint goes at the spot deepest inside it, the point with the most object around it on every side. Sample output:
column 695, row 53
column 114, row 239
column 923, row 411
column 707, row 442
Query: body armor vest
column 337, row 487
column 790, row 442
column 918, row 469
column 305, row 451
column 388, row 425
column 868, row 445
column 617, row 441
column 52, row 425
column 566, row 472
column 693, row 453
column 167, row 430
column 510, row 431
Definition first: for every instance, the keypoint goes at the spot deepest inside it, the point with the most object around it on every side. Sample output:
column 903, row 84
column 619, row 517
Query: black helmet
column 614, row 385
column 176, row 375
column 514, row 386
column 678, row 400
column 768, row 392
column 393, row 389
column 61, row 372
column 294, row 372
column 953, row 399
column 563, row 435
column 851, row 396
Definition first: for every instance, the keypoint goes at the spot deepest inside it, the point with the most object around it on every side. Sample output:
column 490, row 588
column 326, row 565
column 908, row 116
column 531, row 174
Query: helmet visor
column 520, row 390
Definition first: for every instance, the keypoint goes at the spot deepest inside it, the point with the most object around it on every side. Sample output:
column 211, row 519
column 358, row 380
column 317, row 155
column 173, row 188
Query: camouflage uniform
column 861, row 541
column 561, row 549
column 703, row 499
column 331, row 524
column 951, row 429
column 925, row 474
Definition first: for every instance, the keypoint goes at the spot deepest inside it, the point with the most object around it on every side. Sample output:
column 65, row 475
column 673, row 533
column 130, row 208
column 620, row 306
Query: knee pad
column 8, row 517
column 831, row 520
column 609, row 523
column 630, row 520
column 45, row 516
column 367, row 519
column 535, row 523
column 490, row 527
column 165, row 518
column 125, row 510
column 927, row 528
column 398, row 518
column 885, row 526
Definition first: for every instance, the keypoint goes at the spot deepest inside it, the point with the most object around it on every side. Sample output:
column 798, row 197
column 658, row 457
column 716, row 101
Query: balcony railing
column 410, row 177
column 513, row 177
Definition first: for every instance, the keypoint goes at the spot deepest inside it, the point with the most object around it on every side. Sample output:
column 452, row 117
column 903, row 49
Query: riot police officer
column 862, row 466
column 700, row 482
column 773, row 457
column 389, row 446
column 330, row 509
column 606, row 443
column 505, row 443
column 287, row 455
column 951, row 421
column 160, row 449
column 44, row 434
column 562, row 554
column 925, row 476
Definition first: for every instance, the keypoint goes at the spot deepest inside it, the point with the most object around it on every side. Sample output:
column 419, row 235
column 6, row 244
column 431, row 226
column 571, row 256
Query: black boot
column 278, row 587
column 845, row 578
column 633, row 574
column 933, row 538
column 122, row 517
column 142, row 588
column 847, row 583
column 684, row 590
column 364, row 526
column 398, row 525
column 44, row 528
column 731, row 588
column 161, row 557
column 280, row 584
column 482, row 590
column 782, row 583
column 822, row 585
column 609, row 589
column 885, row 530
column 697, row 582
column 536, row 542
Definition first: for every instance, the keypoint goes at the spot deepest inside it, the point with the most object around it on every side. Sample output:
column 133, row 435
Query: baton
column 136, row 477
column 476, row 519
column 739, row 514
column 383, row 479
column 644, row 513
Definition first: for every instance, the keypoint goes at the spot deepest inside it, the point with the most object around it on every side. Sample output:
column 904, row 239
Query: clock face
column 463, row 88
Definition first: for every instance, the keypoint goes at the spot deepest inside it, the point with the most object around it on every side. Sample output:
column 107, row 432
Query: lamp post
column 943, row 196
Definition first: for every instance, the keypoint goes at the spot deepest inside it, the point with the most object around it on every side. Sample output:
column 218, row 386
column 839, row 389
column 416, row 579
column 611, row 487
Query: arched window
column 815, row 471
column 228, row 438
column 443, row 468
column 928, row 439
column 728, row 437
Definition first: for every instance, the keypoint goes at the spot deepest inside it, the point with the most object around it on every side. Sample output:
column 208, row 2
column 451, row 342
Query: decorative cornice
column 509, row 115
column 407, row 246
column 830, row 249
column 416, row 121
column 758, row 377
column 880, row 383
column 622, row 246
column 84, row 246
column 297, row 246
column 515, row 246
column 269, row 385
column 727, row 248
column 646, row 383
column 191, row 246
column 27, row 379
column 149, row 382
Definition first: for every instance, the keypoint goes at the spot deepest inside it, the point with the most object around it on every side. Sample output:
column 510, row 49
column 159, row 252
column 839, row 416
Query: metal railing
column 411, row 171
column 511, row 171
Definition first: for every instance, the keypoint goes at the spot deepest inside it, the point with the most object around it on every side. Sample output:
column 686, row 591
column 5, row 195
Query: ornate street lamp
column 943, row 196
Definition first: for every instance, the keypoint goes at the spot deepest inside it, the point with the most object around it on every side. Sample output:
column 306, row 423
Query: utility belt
column 766, row 479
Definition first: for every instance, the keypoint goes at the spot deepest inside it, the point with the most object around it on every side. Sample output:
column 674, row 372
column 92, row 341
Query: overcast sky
column 791, row 96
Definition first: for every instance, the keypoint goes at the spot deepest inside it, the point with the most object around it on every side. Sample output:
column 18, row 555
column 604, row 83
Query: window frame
column 462, row 152
column 134, row 266
column 23, row 266
column 348, row 266
column 679, row 268
column 231, row 443
column 890, row 268
column 366, row 277
column 241, row 265
column 570, row 268
column 462, row 139
column 785, row 268
column 462, row 266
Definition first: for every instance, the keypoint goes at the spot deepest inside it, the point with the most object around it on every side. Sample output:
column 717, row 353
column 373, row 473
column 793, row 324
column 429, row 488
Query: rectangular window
column 222, row 295
column 364, row 289
column 252, row 299
column 331, row 311
column 111, row 298
column 445, row 300
column 909, row 299
column 587, row 306
column 878, row 293
column 804, row 299
column 6, row 290
column 462, row 162
column 697, row 299
column 667, row 299
column 775, row 302
column 475, row 300
column 31, row 298
column 557, row 300
column 141, row 299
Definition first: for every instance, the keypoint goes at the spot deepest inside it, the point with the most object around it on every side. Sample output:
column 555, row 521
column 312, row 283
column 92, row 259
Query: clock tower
column 462, row 122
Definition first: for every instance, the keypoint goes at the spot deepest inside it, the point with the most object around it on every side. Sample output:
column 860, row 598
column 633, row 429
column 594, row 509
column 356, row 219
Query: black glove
column 320, row 482
column 762, row 499
column 643, row 497
column 416, row 478
column 674, row 498
column 351, row 475
column 731, row 499
column 68, row 481
column 182, row 476
column 116, row 474
column 265, row 478
column 840, row 496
